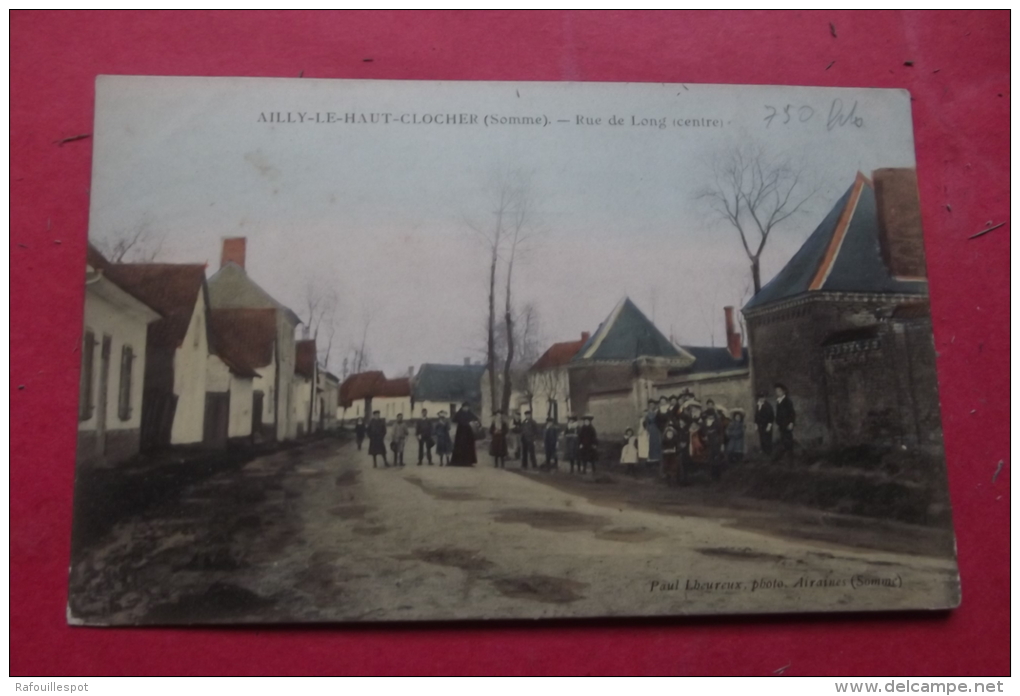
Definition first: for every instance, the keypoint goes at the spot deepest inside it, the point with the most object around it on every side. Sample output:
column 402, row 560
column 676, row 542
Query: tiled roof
column 304, row 358
column 709, row 359
column 843, row 254
column 627, row 334
column 448, row 383
column 360, row 386
column 559, row 354
column 243, row 338
column 401, row 386
column 171, row 289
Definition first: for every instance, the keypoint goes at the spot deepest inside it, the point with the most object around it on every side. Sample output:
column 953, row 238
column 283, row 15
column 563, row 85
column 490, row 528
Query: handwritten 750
column 838, row 116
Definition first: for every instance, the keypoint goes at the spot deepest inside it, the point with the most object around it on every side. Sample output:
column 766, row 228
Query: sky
column 382, row 214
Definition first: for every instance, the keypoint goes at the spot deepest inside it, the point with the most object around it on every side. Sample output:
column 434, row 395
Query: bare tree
column 503, row 235
column 321, row 309
column 755, row 193
column 137, row 245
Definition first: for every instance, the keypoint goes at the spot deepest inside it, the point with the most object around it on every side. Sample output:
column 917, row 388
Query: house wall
column 220, row 379
column 190, row 379
column 231, row 287
column 729, row 390
column 122, row 436
column 390, row 406
column 547, row 386
column 301, row 404
column 354, row 411
column 785, row 345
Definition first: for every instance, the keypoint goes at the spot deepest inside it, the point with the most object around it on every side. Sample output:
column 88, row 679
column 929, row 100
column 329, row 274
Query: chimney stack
column 585, row 335
column 733, row 340
column 410, row 371
column 233, row 251
column 467, row 362
column 899, row 221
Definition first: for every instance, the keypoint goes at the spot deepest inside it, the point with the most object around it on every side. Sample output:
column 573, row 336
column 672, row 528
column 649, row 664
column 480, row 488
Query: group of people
column 677, row 433
column 431, row 434
column 580, row 441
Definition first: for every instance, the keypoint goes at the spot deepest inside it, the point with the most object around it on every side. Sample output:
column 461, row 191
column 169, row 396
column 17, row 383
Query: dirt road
column 317, row 534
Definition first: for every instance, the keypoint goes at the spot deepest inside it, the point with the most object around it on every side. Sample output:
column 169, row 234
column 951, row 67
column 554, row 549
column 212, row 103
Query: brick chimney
column 233, row 251
column 733, row 343
column 585, row 335
column 899, row 221
column 467, row 362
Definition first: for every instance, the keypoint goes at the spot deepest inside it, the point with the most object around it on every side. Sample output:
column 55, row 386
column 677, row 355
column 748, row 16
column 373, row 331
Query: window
column 85, row 390
column 127, row 359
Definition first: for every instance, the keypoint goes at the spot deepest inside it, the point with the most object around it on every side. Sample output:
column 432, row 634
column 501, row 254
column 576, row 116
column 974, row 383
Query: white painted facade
column 303, row 405
column 190, row 379
column 220, row 379
column 112, row 313
column 390, row 406
column 547, row 387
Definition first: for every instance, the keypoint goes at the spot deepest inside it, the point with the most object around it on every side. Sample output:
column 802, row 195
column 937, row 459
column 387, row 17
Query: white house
column 113, row 368
column 231, row 288
column 177, row 348
column 304, row 402
column 445, row 387
column 240, row 370
column 549, row 380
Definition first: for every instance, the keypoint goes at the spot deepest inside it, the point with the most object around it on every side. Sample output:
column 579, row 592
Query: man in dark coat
column 529, row 435
column 464, row 440
column 786, row 417
column 376, row 436
column 587, row 445
column 551, row 439
column 423, row 431
column 764, row 421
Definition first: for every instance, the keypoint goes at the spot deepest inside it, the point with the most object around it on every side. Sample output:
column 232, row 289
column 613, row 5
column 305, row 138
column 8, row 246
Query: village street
column 315, row 533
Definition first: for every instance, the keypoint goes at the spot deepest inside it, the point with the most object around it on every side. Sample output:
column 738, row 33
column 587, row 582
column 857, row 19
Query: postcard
column 402, row 351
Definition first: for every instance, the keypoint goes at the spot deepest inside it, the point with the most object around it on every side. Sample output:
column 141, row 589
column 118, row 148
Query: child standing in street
column 629, row 453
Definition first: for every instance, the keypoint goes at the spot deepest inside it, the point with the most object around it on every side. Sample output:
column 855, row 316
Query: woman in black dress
column 464, row 441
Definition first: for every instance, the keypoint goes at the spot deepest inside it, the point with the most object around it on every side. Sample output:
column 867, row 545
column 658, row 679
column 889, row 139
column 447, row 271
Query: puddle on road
column 541, row 588
column 743, row 554
column 445, row 493
column 367, row 530
column 465, row 559
column 634, row 535
column 349, row 512
column 348, row 478
column 554, row 520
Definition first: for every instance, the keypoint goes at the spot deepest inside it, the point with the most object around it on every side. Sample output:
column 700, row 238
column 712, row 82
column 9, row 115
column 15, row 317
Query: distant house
column 113, row 352
column 392, row 397
column 720, row 374
column 845, row 324
column 611, row 376
column 241, row 368
column 305, row 402
column 520, row 398
column 328, row 390
column 356, row 394
column 445, row 387
column 549, row 380
column 177, row 347
column 231, row 288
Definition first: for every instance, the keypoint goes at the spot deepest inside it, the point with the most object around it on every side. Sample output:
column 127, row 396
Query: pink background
column 960, row 82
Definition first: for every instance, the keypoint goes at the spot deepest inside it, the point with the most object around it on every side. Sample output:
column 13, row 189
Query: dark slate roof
column 243, row 338
column 626, row 334
column 708, row 359
column 171, row 289
column 841, row 255
column 304, row 358
column 559, row 354
column 360, row 386
column 448, row 383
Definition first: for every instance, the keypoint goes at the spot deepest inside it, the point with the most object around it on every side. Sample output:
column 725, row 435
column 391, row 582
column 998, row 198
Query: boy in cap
column 529, row 434
column 423, row 431
column 398, row 439
column 498, row 443
column 570, row 442
column 441, row 435
column 764, row 419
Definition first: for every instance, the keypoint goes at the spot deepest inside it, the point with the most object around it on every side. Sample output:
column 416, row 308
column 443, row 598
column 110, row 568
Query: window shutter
column 85, row 388
column 127, row 358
